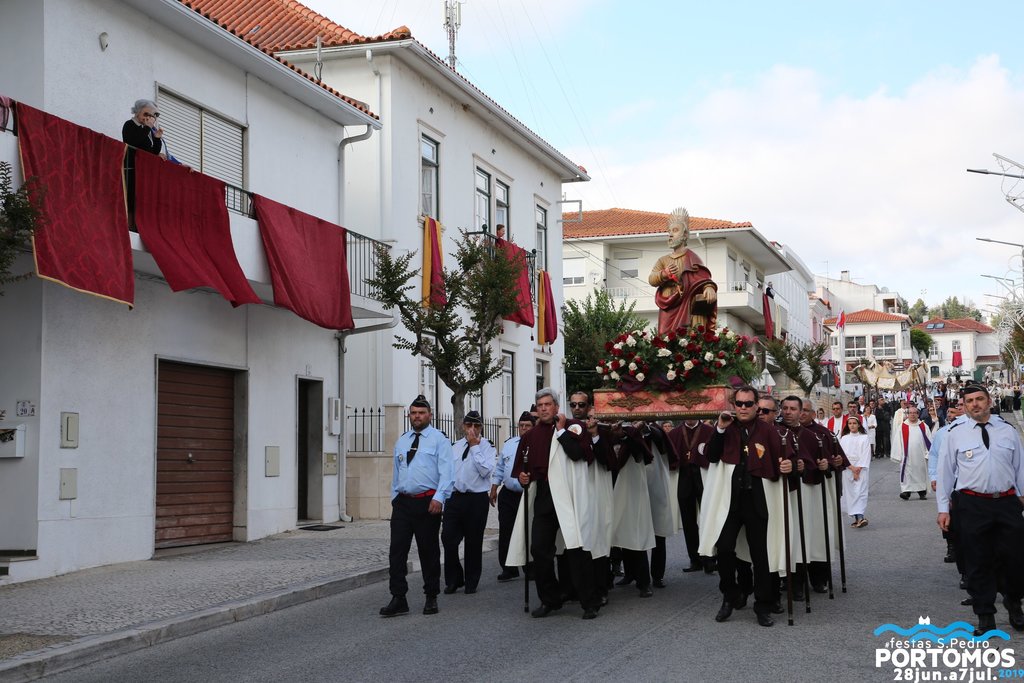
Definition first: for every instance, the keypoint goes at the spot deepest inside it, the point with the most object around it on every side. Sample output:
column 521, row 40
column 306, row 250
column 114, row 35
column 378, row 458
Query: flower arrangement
column 679, row 360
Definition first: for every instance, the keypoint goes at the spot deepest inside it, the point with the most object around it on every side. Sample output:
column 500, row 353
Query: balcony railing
column 531, row 260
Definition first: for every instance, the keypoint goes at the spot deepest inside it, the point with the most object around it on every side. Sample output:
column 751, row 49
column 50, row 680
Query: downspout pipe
column 342, row 446
column 345, row 142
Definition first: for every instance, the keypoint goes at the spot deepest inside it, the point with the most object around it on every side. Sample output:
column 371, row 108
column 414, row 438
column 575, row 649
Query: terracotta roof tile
column 238, row 17
column 610, row 222
column 955, row 325
column 869, row 316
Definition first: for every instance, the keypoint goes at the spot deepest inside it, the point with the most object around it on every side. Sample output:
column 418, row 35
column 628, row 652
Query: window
column 956, row 345
column 935, row 371
column 883, row 345
column 542, row 238
column 573, row 271
column 628, row 268
column 482, row 213
column 508, row 383
column 205, row 141
column 935, row 326
column 428, row 176
column 856, row 347
column 501, row 217
column 542, row 374
column 475, row 401
column 428, row 381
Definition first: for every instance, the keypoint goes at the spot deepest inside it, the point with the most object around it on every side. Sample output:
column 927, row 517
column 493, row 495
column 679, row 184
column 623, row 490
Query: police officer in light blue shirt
column 982, row 459
column 465, row 514
column 421, row 482
column 508, row 498
column 953, row 413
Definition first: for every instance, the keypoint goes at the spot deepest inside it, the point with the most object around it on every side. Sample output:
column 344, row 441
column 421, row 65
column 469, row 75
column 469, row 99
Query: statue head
column 678, row 228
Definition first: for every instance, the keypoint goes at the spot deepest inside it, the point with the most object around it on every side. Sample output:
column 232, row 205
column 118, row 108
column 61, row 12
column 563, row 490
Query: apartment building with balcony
column 869, row 333
column 615, row 250
column 847, row 295
column 183, row 420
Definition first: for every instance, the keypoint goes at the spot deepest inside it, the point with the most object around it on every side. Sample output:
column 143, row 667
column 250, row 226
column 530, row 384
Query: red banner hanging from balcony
column 547, row 320
column 184, row 223
column 766, row 308
column 307, row 262
column 958, row 359
column 517, row 255
column 434, row 295
column 83, row 241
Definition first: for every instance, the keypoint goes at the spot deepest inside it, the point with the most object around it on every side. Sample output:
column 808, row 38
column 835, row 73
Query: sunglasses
column 745, row 404
column 574, row 404
column 151, row 116
column 764, row 411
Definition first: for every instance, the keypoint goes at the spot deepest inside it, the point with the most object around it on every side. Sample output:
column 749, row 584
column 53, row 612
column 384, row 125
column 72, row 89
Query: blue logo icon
column 925, row 631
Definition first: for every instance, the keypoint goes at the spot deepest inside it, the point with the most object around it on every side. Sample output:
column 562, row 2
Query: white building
column 105, row 470
column 961, row 345
column 446, row 151
column 847, row 295
column 615, row 249
column 870, row 333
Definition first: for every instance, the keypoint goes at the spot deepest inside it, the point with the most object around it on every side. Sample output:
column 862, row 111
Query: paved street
column 895, row 575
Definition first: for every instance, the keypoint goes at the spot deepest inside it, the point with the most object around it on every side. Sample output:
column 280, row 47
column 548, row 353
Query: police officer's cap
column 472, row 418
column 973, row 388
column 526, row 417
column 420, row 402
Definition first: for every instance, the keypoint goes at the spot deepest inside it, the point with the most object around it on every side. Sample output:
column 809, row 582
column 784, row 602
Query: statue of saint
column 686, row 295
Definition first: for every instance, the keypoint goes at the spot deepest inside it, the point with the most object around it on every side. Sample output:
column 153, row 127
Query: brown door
column 195, row 455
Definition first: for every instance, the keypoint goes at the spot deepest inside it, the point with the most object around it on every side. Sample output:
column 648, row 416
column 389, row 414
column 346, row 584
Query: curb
column 91, row 649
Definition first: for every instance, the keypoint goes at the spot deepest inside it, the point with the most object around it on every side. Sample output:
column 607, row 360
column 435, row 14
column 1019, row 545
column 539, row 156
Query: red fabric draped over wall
column 83, row 241
column 307, row 262
column 547, row 327
column 516, row 254
column 184, row 223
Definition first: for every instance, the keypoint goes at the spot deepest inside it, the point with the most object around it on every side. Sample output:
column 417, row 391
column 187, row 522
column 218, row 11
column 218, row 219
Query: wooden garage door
column 195, row 455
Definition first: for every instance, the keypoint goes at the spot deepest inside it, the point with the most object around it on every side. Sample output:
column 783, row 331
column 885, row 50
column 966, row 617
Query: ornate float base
column 706, row 402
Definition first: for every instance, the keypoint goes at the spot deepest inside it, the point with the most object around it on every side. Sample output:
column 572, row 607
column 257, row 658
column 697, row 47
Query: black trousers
column 658, row 558
column 542, row 546
column 508, row 506
column 991, row 532
column 410, row 517
column 636, row 566
column 465, row 518
column 689, row 494
column 745, row 513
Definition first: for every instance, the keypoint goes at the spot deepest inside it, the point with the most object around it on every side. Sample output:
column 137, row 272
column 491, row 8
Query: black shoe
column 695, row 566
column 923, row 495
column 624, row 581
column 543, row 611
column 819, row 587
column 508, row 575
column 950, row 553
column 765, row 620
column 710, row 566
column 658, row 583
column 470, row 591
column 616, row 569
column 798, row 596
column 905, row 495
column 398, row 605
column 967, row 602
column 645, row 592
column 448, row 590
column 986, row 623
column 430, row 606
column 777, row 608
column 1016, row 614
column 724, row 612
column 963, row 582
column 741, row 601
column 590, row 613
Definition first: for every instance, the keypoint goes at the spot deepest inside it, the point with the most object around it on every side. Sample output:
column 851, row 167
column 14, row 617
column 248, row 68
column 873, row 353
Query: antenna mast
column 452, row 22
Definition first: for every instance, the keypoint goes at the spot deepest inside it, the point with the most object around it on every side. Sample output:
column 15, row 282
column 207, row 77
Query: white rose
column 639, row 377
column 618, row 345
column 688, row 365
column 614, row 375
column 630, row 341
column 632, row 367
column 730, row 335
column 720, row 363
column 709, row 356
column 664, row 352
column 670, row 375
column 600, row 369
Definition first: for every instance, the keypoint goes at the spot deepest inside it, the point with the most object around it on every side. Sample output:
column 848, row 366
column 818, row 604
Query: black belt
column 469, row 493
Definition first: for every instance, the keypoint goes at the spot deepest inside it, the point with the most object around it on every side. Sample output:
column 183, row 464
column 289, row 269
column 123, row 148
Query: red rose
column 700, row 329
column 721, row 354
column 608, row 346
column 678, row 357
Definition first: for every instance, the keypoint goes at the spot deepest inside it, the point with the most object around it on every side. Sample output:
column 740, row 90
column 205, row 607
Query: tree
column 19, row 216
column 921, row 341
column 952, row 308
column 802, row 363
column 588, row 325
column 456, row 338
column 918, row 312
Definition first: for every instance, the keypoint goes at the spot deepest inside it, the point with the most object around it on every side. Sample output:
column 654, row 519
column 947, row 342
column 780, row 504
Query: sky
column 842, row 129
